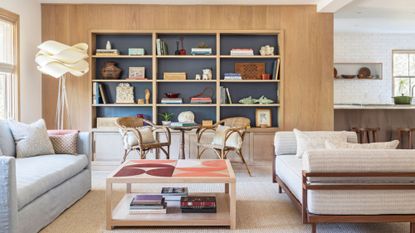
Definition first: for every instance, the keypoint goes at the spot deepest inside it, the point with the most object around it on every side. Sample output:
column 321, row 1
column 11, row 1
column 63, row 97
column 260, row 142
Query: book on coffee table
column 174, row 193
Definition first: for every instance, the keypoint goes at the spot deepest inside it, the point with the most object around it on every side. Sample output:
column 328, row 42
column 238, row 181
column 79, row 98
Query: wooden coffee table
column 173, row 171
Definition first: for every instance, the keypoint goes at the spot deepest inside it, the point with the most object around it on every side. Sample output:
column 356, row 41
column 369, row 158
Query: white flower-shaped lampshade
column 56, row 59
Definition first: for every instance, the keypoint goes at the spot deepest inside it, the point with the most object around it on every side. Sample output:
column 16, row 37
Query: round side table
column 182, row 130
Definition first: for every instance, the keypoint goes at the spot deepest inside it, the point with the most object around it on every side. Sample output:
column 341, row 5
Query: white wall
column 361, row 47
column 30, row 37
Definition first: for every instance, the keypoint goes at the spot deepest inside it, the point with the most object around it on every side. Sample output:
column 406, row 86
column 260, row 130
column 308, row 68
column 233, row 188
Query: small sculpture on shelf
column 108, row 45
column 198, row 77
column 266, row 50
column 207, row 74
column 147, row 95
column 247, row 100
column 264, row 100
column 182, row 51
column 186, row 117
column 110, row 70
column 261, row 100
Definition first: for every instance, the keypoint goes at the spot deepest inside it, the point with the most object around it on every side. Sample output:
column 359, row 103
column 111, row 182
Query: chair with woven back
column 229, row 136
column 140, row 135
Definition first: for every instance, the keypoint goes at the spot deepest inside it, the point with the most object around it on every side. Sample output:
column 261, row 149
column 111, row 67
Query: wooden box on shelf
column 174, row 75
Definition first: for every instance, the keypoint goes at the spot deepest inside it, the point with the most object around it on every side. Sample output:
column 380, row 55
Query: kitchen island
column 387, row 117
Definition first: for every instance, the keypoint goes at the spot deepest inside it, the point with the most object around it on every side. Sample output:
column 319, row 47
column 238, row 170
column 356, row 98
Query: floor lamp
column 62, row 61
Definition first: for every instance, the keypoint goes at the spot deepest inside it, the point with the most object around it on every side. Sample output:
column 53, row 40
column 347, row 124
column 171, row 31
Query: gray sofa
column 35, row 190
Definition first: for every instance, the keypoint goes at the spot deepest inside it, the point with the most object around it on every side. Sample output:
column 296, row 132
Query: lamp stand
column 62, row 104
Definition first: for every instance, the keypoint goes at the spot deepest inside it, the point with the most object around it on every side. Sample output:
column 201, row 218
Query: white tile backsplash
column 360, row 47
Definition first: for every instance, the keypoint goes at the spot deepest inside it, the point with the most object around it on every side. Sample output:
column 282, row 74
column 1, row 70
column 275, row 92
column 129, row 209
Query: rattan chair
column 237, row 125
column 133, row 139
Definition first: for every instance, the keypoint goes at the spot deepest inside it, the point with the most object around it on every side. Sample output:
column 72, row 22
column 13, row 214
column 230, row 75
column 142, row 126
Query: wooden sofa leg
column 412, row 227
column 279, row 188
column 314, row 228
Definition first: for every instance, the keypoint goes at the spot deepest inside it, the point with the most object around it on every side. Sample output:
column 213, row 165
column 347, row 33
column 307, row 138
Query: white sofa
column 332, row 185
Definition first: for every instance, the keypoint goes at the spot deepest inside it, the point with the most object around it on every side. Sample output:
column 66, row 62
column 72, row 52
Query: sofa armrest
column 84, row 144
column 326, row 161
column 8, row 195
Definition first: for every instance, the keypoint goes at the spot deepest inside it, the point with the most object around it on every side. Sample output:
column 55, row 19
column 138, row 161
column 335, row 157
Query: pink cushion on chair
column 56, row 132
column 64, row 141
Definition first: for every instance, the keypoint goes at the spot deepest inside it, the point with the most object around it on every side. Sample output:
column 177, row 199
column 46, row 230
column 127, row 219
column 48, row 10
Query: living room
column 207, row 116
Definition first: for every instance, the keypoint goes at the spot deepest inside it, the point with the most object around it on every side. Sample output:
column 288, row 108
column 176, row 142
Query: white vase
column 166, row 123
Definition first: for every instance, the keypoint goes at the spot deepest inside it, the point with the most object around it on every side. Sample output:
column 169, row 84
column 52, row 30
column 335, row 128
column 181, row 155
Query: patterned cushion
column 316, row 140
column 65, row 143
column 31, row 140
column 332, row 145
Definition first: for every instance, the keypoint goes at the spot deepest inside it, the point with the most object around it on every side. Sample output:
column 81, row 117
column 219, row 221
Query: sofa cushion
column 31, row 140
column 333, row 145
column 7, row 145
column 289, row 168
column 37, row 175
column 65, row 144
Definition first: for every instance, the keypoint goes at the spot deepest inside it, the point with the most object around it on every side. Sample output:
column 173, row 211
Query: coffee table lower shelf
column 174, row 217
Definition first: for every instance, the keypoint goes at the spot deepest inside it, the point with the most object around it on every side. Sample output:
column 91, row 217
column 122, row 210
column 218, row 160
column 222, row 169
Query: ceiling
column 376, row 16
column 190, row 2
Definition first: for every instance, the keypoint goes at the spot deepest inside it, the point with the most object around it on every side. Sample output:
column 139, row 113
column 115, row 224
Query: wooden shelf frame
column 216, row 79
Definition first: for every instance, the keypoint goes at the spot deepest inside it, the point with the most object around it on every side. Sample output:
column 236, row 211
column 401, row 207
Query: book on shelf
column 201, row 100
column 182, row 124
column 94, row 93
column 232, row 76
column 155, row 199
column 149, row 211
column 148, row 204
column 161, row 47
column 107, row 52
column 228, row 94
column 174, row 193
column 275, row 69
column 222, row 95
column 102, row 94
column 242, row 52
column 198, row 204
column 201, row 51
column 171, row 100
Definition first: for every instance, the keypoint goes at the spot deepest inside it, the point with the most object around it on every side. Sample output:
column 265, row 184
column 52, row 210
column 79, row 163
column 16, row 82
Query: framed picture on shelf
column 136, row 72
column 263, row 117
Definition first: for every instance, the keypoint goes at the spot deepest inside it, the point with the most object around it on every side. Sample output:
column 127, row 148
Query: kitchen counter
column 374, row 106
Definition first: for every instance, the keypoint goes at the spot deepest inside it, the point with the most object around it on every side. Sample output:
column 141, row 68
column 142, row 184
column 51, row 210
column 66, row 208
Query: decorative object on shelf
column 335, row 72
column 207, row 123
column 242, row 52
column 364, row 73
column 166, row 118
column 110, row 70
column 204, row 97
column 250, row 70
column 108, row 51
column 106, row 122
column 263, row 117
column 266, row 50
column 177, row 52
column 264, row 100
column 140, row 101
column 172, row 94
column 182, row 51
column 247, row 100
column 402, row 99
column 348, row 76
column 139, row 115
column 136, row 51
column 136, row 72
column 207, row 74
column 174, row 75
column 147, row 95
column 59, row 60
column 124, row 94
column 108, row 45
column 202, row 49
column 186, row 117
column 232, row 76
column 266, row 76
column 198, row 77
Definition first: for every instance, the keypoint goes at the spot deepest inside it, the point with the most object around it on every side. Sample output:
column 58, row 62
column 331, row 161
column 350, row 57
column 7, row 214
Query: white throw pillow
column 31, row 140
column 234, row 140
column 146, row 135
column 312, row 140
column 332, row 145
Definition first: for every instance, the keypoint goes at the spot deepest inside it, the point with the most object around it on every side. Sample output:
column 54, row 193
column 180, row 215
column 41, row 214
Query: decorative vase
column 111, row 71
column 166, row 123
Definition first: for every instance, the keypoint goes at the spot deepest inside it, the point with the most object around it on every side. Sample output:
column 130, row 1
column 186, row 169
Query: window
column 9, row 23
column 403, row 70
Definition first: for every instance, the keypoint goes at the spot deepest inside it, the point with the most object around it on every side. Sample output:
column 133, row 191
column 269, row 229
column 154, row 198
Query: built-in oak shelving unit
column 220, row 62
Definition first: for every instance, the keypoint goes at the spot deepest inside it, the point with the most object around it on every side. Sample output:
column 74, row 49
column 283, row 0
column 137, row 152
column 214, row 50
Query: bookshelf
column 220, row 62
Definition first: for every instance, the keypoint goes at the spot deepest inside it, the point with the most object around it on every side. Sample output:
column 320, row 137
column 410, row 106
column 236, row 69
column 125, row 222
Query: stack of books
column 232, row 76
column 198, row 204
column 201, row 100
column 174, row 193
column 107, row 52
column 171, row 100
column 201, row 51
column 148, row 204
column 182, row 124
column 242, row 52
column 161, row 47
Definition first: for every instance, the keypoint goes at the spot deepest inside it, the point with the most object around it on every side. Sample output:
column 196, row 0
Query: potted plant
column 166, row 118
column 402, row 99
